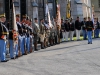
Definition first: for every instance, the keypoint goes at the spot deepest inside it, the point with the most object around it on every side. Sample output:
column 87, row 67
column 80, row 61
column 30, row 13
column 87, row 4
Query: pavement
column 68, row 58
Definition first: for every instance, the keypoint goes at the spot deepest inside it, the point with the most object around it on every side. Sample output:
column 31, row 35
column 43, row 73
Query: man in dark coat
column 63, row 30
column 3, row 38
column 83, row 24
column 66, row 24
column 96, row 28
column 78, row 28
column 72, row 28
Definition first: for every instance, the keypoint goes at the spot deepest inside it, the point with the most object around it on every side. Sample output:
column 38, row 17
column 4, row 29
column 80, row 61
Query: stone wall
column 75, row 8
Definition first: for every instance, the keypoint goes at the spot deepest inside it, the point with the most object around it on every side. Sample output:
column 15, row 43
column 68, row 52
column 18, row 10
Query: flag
column 58, row 16
column 68, row 10
column 48, row 16
column 14, row 20
column 15, row 29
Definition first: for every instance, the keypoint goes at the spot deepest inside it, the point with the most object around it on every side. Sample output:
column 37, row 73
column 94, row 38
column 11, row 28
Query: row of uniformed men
column 86, row 25
column 27, row 33
column 19, row 46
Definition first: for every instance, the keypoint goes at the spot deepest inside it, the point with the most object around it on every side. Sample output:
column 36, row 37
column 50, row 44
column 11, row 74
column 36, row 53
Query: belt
column 89, row 27
column 5, row 33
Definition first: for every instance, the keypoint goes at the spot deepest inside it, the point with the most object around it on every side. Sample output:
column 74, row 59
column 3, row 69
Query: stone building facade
column 34, row 8
column 81, row 8
column 96, row 5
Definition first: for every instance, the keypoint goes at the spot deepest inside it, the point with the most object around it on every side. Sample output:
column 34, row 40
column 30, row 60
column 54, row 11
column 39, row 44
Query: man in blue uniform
column 13, row 45
column 24, row 47
column 31, row 36
column 3, row 38
column 20, row 31
column 28, row 35
column 89, row 27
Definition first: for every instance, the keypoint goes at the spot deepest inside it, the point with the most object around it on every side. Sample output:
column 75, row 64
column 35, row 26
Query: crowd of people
column 40, row 32
column 29, row 33
column 88, row 27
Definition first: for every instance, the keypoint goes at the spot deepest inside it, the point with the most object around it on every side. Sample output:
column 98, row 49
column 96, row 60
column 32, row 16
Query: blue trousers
column 28, row 43
column 99, row 31
column 31, row 42
column 96, row 32
column 13, row 49
column 84, row 34
column 23, row 45
column 89, row 33
column 20, row 42
column 2, row 50
column 16, row 48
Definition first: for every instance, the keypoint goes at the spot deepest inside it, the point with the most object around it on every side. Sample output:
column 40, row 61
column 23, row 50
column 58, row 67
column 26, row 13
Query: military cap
column 35, row 18
column 84, row 17
column 77, row 16
column 61, row 19
column 27, row 18
column 17, row 15
column 2, row 15
column 88, row 17
column 24, row 16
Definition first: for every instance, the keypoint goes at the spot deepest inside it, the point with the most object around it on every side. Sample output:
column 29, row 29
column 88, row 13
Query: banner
column 14, row 19
column 48, row 16
column 68, row 10
column 58, row 17
column 15, row 29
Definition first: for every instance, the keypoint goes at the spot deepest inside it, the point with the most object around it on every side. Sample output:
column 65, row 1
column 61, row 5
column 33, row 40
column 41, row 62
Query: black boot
column 35, row 46
column 42, row 45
